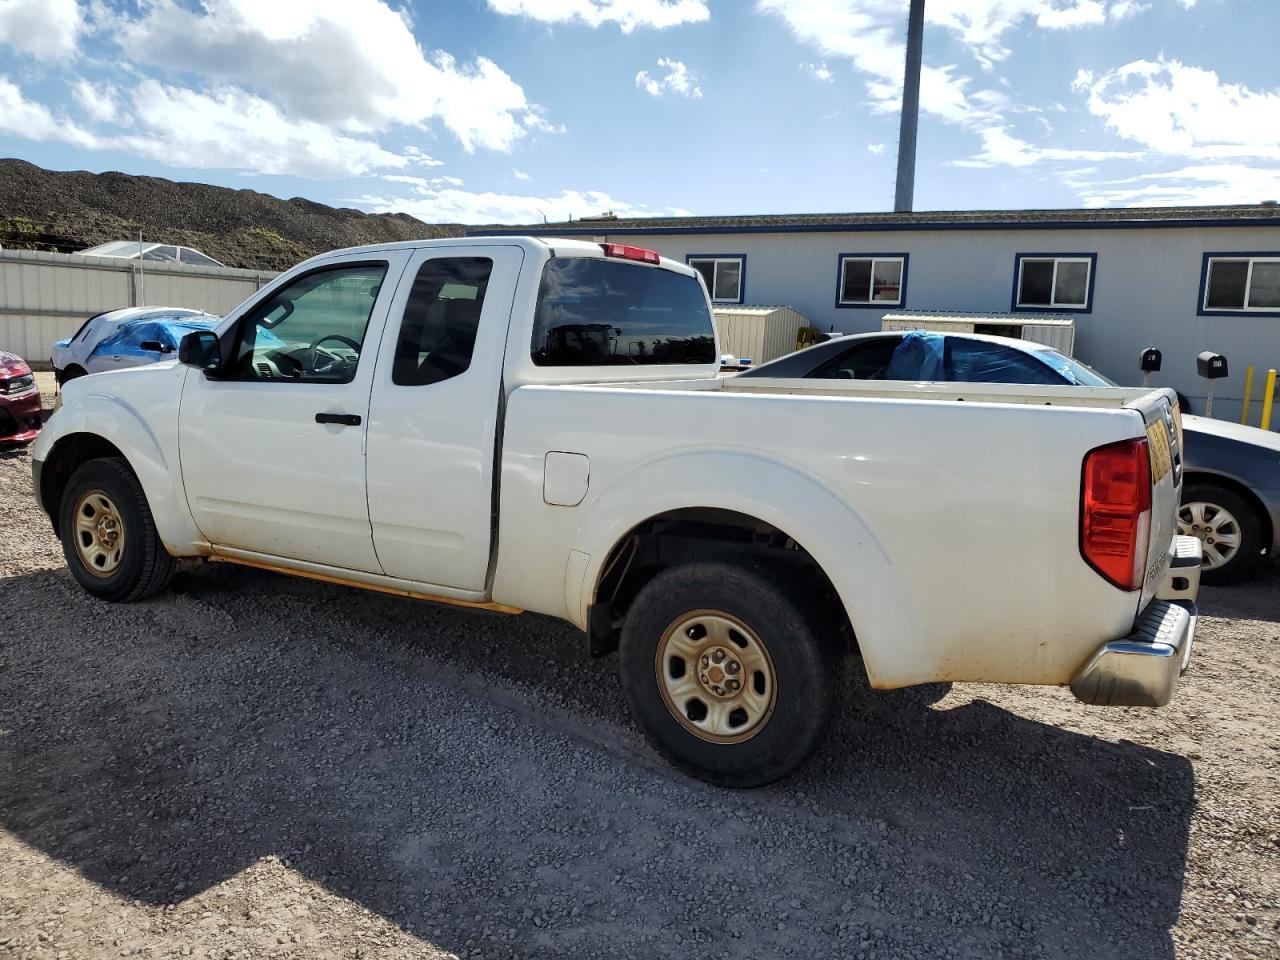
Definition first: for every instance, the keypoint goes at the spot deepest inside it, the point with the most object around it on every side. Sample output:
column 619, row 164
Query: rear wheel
column 725, row 672
column 108, row 535
column 72, row 372
column 1228, row 529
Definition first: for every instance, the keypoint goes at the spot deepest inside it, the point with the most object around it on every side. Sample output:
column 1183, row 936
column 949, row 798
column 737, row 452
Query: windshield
column 116, row 248
column 1075, row 371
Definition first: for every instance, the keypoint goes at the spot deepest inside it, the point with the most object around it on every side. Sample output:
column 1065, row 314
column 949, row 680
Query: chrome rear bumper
column 1142, row 669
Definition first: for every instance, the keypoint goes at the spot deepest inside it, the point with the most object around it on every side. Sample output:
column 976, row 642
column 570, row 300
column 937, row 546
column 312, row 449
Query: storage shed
column 1056, row 332
column 758, row 333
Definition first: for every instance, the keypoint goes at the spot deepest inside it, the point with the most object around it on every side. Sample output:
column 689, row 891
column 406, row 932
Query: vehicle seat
column 451, row 354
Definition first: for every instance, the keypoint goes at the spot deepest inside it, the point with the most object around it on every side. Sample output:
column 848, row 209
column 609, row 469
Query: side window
column 975, row 361
column 867, row 360
column 111, row 343
column 1054, row 282
column 1242, row 284
column 161, row 254
column 133, row 334
column 723, row 275
column 871, row 280
column 441, row 317
column 195, row 258
column 312, row 330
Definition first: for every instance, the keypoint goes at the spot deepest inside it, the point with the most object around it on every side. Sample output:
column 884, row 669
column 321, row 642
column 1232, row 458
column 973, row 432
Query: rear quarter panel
column 950, row 530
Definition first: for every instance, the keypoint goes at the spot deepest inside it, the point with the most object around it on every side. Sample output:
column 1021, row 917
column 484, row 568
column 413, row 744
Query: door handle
column 342, row 419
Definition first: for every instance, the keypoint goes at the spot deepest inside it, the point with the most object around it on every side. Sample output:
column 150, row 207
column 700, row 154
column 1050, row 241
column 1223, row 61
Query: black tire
column 806, row 662
column 1242, row 564
column 73, row 372
column 143, row 567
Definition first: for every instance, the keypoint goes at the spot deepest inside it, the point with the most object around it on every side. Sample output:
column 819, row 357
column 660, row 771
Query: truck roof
column 557, row 246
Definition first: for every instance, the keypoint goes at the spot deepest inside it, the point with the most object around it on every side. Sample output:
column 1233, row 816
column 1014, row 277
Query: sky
column 509, row 111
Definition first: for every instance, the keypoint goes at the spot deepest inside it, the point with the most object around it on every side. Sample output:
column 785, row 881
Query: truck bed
column 946, row 516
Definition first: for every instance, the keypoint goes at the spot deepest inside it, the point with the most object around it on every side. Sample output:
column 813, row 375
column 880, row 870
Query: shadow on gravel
column 1257, row 598
column 473, row 780
column 12, row 451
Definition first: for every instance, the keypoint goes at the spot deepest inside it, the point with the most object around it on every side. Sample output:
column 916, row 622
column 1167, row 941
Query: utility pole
column 904, row 194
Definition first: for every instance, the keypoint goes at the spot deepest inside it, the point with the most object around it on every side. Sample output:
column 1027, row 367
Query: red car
column 20, row 417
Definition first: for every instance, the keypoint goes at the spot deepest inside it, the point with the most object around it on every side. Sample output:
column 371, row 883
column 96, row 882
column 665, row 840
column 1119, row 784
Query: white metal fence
column 46, row 296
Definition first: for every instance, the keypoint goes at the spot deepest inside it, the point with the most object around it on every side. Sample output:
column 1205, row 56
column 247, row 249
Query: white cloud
column 1001, row 148
column 627, row 14
column 679, row 80
column 1198, row 184
column 875, row 148
column 422, row 183
column 1124, row 9
column 228, row 128
column 100, row 101
column 353, row 65
column 41, row 28
column 1185, row 111
column 520, row 175
column 870, row 34
column 25, row 118
column 450, row 205
column 820, row 71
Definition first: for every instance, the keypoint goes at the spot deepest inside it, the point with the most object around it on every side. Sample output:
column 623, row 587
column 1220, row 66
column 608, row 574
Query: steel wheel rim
column 99, row 533
column 716, row 676
column 1215, row 527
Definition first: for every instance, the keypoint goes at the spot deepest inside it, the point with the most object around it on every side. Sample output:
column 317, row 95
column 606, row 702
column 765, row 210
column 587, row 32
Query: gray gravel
column 253, row 765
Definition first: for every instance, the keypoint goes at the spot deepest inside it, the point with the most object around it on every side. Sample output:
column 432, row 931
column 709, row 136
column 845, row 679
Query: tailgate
column 1164, row 443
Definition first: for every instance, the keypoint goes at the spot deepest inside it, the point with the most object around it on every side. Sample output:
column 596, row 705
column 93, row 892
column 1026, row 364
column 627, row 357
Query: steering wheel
column 316, row 351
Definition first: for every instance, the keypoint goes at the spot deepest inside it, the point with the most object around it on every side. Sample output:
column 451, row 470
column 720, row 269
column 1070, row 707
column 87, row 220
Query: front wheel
column 725, row 672
column 108, row 534
column 1229, row 531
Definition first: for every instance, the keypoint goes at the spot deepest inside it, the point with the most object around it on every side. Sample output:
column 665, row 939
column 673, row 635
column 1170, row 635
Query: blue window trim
column 901, row 302
column 1202, row 311
column 1053, row 255
column 742, row 274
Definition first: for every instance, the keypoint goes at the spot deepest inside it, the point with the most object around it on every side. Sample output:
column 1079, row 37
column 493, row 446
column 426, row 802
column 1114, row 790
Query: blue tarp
column 128, row 338
column 920, row 356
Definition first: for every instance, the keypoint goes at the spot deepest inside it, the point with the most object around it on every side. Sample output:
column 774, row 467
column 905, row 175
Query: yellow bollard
column 1248, row 393
column 1267, row 397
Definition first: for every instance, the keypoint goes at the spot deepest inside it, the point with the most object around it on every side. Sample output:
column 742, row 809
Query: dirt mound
column 68, row 211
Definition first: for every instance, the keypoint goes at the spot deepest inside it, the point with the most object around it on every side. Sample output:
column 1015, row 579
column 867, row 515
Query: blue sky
column 503, row 110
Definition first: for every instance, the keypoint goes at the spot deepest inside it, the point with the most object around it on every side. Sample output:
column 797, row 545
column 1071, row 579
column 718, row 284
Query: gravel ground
column 257, row 766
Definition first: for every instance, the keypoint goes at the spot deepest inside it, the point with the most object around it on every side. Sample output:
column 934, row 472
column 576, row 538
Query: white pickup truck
column 526, row 424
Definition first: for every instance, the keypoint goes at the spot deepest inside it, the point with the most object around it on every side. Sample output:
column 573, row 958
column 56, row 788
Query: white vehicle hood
column 1232, row 431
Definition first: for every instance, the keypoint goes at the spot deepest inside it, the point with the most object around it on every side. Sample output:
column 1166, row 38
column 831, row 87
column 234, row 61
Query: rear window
column 595, row 312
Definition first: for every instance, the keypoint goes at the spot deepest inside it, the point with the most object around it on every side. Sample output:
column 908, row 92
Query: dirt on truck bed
column 257, row 766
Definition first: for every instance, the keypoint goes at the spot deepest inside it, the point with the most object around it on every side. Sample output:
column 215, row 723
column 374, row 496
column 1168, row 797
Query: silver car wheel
column 1215, row 527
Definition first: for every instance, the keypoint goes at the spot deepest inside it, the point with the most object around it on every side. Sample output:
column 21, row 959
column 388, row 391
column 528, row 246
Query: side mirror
column 200, row 349
column 155, row 346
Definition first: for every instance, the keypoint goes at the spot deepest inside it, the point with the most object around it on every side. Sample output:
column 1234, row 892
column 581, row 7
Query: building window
column 872, row 280
column 724, row 274
column 1054, row 281
column 1241, row 283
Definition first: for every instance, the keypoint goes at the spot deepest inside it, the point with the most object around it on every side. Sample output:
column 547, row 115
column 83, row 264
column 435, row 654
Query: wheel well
column 683, row 536
column 1245, row 494
column 63, row 460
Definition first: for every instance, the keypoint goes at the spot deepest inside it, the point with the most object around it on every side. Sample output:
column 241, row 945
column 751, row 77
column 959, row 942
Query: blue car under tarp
column 167, row 331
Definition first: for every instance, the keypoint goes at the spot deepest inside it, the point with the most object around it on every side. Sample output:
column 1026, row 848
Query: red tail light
column 623, row 252
column 1115, row 511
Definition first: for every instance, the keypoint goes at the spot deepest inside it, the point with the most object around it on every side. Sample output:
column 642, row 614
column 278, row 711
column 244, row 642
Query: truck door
column 434, row 417
column 273, row 451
